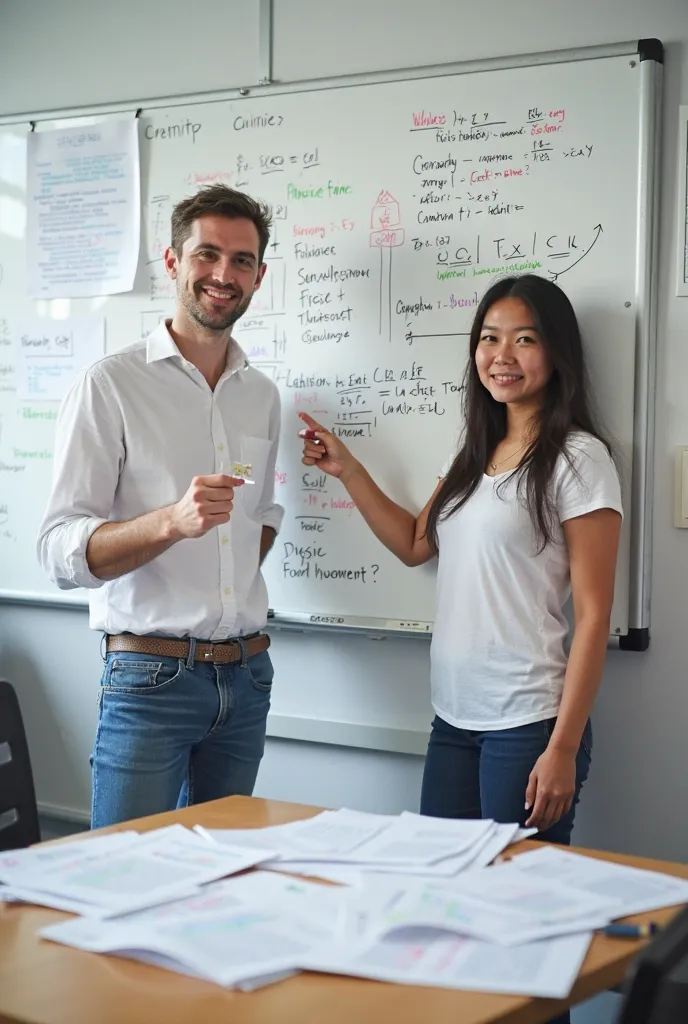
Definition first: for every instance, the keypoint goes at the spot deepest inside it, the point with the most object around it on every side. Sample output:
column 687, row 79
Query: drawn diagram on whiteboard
column 570, row 248
column 386, row 233
column 159, row 212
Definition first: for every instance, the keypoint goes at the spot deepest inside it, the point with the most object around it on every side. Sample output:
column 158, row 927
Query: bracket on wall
column 264, row 42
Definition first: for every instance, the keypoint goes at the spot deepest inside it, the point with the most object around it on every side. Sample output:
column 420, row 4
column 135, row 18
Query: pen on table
column 199, row 830
column 631, row 931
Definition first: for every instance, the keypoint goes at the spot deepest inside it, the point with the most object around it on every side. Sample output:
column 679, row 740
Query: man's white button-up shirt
column 133, row 431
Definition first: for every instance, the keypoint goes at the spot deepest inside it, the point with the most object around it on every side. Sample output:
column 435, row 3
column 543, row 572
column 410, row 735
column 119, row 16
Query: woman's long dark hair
column 566, row 407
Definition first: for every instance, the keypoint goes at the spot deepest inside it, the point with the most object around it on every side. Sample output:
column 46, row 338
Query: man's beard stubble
column 212, row 322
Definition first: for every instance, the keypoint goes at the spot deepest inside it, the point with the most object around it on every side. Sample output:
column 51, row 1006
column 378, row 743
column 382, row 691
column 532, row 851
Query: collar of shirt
column 161, row 345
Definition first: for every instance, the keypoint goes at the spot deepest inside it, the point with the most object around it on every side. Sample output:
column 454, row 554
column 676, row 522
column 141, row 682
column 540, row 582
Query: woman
column 528, row 511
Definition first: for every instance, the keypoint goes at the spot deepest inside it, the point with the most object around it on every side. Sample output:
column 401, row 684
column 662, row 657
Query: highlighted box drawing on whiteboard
column 50, row 353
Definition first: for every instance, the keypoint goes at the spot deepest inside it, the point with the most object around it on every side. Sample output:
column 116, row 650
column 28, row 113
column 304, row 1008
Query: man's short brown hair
column 221, row 201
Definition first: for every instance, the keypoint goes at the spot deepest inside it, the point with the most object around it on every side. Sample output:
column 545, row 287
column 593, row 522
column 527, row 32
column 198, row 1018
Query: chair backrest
column 18, row 812
column 652, row 995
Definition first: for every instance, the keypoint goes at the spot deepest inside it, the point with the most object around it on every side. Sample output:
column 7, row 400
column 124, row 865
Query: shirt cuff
column 74, row 544
column 591, row 506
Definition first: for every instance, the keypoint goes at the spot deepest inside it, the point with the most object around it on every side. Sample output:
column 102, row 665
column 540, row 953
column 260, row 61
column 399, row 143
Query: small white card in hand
column 243, row 471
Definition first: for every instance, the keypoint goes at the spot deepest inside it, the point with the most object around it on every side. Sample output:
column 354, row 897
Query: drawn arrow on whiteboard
column 411, row 337
column 554, row 275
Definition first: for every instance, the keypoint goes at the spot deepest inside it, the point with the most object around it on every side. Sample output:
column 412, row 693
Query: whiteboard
column 396, row 204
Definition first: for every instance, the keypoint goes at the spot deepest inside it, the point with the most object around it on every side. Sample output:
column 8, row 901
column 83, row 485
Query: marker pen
column 631, row 931
column 309, row 435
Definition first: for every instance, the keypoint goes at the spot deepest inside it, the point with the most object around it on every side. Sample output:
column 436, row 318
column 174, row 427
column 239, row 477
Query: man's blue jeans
column 485, row 774
column 171, row 734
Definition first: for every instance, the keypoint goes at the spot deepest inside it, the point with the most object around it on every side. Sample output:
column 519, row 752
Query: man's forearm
column 267, row 539
column 118, row 548
column 115, row 549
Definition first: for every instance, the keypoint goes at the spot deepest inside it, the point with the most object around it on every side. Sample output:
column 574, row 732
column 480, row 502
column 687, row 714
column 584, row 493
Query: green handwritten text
column 21, row 453
column 328, row 191
column 39, row 414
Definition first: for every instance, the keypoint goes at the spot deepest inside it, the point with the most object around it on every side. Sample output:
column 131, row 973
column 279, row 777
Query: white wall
column 66, row 53
column 83, row 52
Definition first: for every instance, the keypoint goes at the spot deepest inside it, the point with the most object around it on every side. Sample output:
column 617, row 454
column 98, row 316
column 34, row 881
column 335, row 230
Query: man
column 145, row 512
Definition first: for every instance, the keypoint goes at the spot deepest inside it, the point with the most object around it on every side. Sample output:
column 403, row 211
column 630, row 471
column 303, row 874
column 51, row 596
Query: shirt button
column 225, row 540
column 220, row 447
column 228, row 590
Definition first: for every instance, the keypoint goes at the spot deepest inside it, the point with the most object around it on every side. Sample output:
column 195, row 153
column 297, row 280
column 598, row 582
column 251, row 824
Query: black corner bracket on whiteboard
column 635, row 640
column 651, row 49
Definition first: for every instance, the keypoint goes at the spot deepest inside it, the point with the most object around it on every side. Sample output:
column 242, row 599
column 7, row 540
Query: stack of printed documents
column 520, row 927
column 120, row 873
column 342, row 846
column 419, row 904
column 241, row 932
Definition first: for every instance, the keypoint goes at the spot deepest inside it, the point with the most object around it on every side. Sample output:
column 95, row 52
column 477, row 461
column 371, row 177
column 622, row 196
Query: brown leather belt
column 225, row 653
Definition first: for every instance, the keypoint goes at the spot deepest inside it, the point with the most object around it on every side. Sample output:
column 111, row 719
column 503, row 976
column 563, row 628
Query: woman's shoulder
column 586, row 477
column 581, row 447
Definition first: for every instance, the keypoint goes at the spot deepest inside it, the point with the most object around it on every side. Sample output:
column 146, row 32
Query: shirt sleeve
column 589, row 481
column 89, row 454
column 269, row 511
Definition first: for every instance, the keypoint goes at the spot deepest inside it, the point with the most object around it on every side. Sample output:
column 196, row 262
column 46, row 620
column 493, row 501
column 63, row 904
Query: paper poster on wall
column 50, row 353
column 682, row 251
column 83, row 210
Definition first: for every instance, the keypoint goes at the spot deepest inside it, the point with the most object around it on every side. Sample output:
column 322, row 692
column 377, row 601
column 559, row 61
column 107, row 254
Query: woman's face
column 510, row 358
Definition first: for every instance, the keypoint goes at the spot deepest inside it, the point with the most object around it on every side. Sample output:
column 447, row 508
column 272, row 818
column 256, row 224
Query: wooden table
column 44, row 983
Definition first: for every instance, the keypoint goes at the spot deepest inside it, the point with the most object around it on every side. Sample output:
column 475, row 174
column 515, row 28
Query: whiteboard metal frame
column 642, row 487
column 649, row 52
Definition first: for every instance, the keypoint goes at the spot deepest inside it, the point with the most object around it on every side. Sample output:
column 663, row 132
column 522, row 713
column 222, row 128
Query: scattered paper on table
column 156, row 868
column 419, row 956
column 441, row 917
column 631, row 890
column 245, row 932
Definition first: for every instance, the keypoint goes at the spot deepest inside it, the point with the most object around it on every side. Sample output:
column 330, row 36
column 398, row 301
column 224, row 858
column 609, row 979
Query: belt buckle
column 210, row 653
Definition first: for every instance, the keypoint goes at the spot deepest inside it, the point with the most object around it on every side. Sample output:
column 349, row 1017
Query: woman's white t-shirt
column 497, row 655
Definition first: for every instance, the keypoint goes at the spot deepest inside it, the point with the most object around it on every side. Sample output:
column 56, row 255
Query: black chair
column 656, row 991
column 18, row 812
